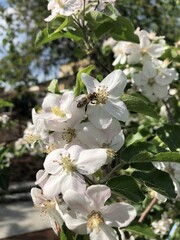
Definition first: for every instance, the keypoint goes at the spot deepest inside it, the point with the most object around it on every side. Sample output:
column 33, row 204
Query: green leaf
column 135, row 103
column 141, row 229
column 53, row 86
column 127, row 187
column 169, row 134
column 116, row 26
column 157, row 180
column 4, row 178
column 140, row 151
column 79, row 84
column 63, row 236
column 44, row 37
column 167, row 157
column 58, row 24
column 4, row 103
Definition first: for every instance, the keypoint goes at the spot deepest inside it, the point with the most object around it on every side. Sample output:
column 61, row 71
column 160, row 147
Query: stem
column 147, row 210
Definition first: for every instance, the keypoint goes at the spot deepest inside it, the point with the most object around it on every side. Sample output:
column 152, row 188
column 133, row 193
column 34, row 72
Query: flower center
column 68, row 135
column 111, row 154
column 151, row 81
column 58, row 112
column 67, row 164
column 60, row 3
column 50, row 148
column 94, row 220
column 102, row 94
column 31, row 138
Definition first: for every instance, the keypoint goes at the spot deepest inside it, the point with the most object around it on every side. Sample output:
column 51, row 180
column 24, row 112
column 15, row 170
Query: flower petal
column 99, row 195
column 103, row 233
column 118, row 214
column 100, row 118
column 90, row 82
column 91, row 160
column 77, row 201
column 117, row 109
column 75, row 222
column 116, row 82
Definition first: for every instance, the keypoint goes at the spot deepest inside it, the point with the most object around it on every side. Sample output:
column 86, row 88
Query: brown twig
column 147, row 210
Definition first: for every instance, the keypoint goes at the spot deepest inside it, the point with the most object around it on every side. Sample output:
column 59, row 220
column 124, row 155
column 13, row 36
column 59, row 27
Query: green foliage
column 53, row 86
column 157, row 180
column 4, row 103
column 79, row 84
column 141, row 229
column 139, row 104
column 127, row 187
column 169, row 134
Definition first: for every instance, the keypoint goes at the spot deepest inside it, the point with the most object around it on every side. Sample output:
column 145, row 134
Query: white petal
column 91, row 160
column 77, row 202
column 112, row 130
column 75, row 222
column 91, row 136
column 118, row 214
column 103, row 233
column 53, row 186
column 149, row 70
column 160, row 91
column 117, row 109
column 74, row 181
column 53, row 160
column 90, row 82
column 116, row 82
column 100, row 118
column 99, row 195
column 41, row 178
column 156, row 50
column 117, row 141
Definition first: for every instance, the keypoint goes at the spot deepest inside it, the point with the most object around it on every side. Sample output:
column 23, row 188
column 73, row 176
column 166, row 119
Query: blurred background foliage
column 21, row 64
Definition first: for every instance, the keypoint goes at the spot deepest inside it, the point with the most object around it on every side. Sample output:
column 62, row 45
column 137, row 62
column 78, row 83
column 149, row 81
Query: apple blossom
column 89, row 215
column 111, row 137
column 63, row 7
column 108, row 104
column 66, row 167
column 154, row 80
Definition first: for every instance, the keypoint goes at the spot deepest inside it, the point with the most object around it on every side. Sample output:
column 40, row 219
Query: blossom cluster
column 73, row 7
column 80, row 136
column 148, row 73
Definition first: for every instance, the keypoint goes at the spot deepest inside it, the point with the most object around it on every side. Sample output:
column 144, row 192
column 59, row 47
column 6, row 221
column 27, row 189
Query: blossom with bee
column 108, row 104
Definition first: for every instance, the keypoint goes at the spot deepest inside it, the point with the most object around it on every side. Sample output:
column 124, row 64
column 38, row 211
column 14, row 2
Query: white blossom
column 63, row 7
column 90, row 215
column 154, row 80
column 66, row 167
column 107, row 104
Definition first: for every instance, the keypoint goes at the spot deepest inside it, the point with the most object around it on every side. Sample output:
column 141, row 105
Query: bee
column 89, row 98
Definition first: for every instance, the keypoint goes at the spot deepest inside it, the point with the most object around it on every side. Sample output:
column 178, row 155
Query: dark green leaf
column 148, row 166
column 116, row 26
column 167, row 157
column 141, row 229
column 139, row 105
column 79, row 84
column 53, row 86
column 127, row 187
column 157, row 180
column 140, row 151
column 169, row 134
column 4, row 178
